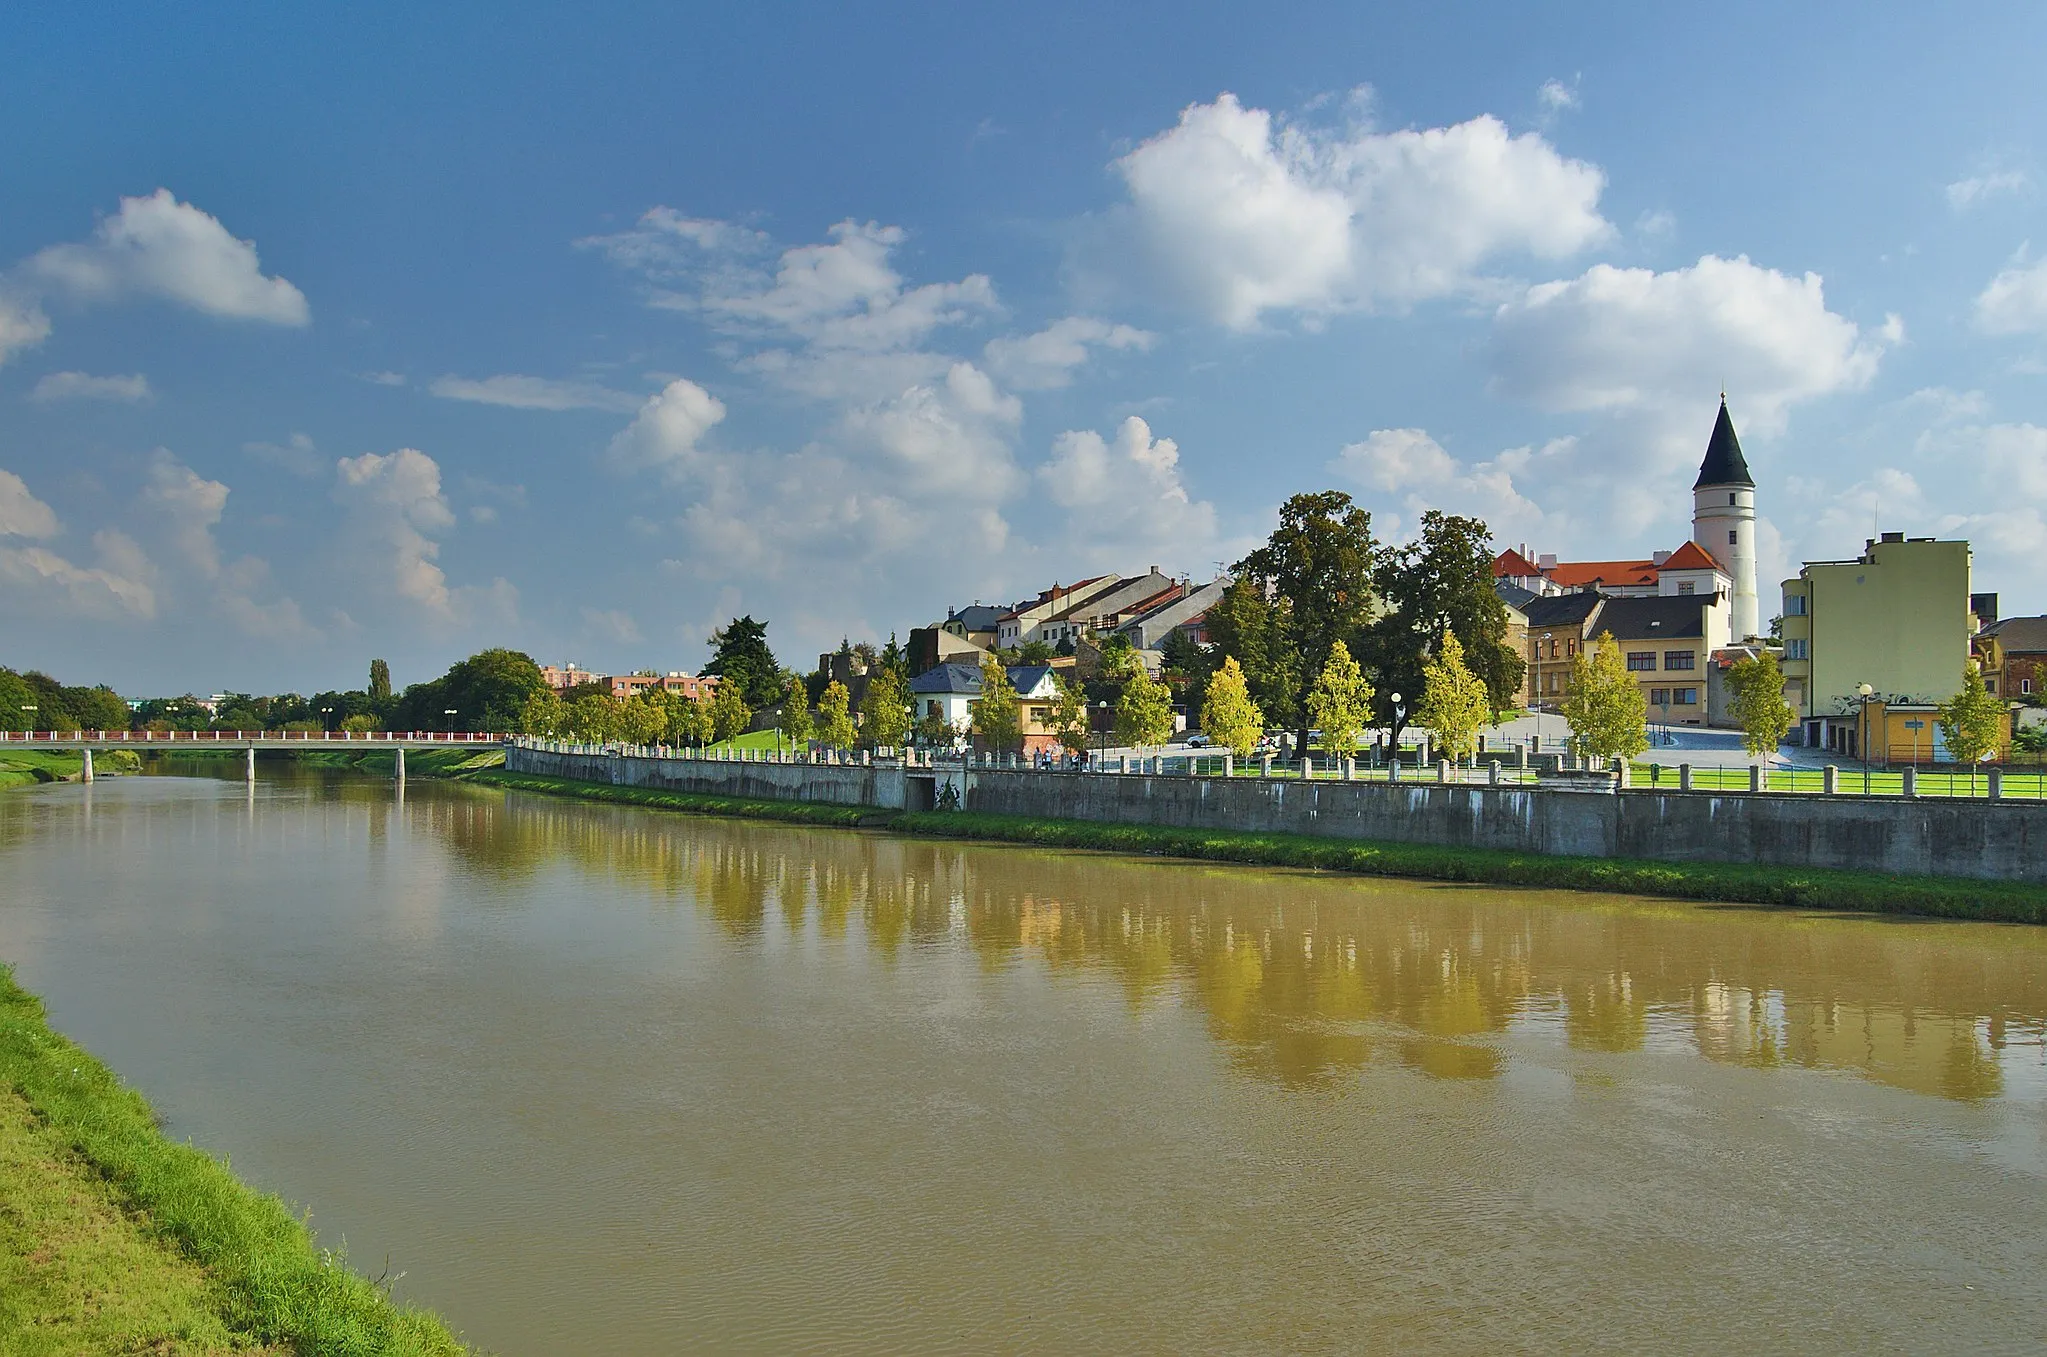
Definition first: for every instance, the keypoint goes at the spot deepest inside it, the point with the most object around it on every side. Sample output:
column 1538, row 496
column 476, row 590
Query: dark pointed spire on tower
column 1724, row 464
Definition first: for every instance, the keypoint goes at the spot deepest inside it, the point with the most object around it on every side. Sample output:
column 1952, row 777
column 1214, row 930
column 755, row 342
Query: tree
column 97, row 708
column 1341, row 702
column 1069, row 715
column 1229, row 715
column 1189, row 665
column 689, row 721
column 730, row 714
column 796, row 722
column 885, row 711
column 739, row 650
column 380, row 681
column 1972, row 721
column 640, row 721
column 487, row 692
column 997, row 715
column 542, row 714
column 1455, row 702
column 361, row 724
column 15, row 698
column 1443, row 582
column 1758, row 704
column 1144, row 714
column 1607, row 710
column 1319, row 563
column 835, row 717
column 591, row 718
column 1249, row 625
column 1034, row 652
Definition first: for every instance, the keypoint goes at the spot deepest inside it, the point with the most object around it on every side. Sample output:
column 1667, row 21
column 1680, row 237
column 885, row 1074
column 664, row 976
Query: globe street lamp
column 1102, row 720
column 1393, row 763
column 1864, row 693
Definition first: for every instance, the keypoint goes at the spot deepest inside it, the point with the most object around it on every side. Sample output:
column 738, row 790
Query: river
column 597, row 1079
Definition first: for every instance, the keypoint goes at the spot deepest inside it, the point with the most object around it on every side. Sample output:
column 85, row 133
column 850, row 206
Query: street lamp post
column 1102, row 720
column 449, row 712
column 31, row 709
column 1863, row 694
column 1537, row 703
column 1393, row 763
column 326, row 724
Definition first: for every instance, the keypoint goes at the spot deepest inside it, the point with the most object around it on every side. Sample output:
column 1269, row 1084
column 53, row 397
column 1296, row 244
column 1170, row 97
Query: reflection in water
column 1303, row 976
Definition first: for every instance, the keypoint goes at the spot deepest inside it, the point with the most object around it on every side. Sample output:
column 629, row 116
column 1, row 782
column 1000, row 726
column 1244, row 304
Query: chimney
column 1546, row 562
column 1658, row 557
column 1894, row 537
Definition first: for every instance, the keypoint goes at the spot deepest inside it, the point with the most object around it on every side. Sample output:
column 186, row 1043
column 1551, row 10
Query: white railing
column 343, row 737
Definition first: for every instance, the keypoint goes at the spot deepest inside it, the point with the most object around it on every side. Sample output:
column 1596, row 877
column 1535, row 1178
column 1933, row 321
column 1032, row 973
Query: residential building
column 570, row 675
column 1187, row 612
column 1014, row 627
column 951, row 691
column 979, row 623
column 2013, row 651
column 1667, row 644
column 1719, row 697
column 697, row 688
column 1557, row 625
column 933, row 646
column 1896, row 618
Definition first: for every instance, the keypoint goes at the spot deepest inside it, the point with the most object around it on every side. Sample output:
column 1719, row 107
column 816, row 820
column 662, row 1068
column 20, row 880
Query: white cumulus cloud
column 1964, row 194
column 2015, row 302
column 1244, row 214
column 21, row 513
column 665, row 433
column 72, row 386
column 1618, row 339
column 158, row 247
column 1126, row 495
column 394, row 501
column 22, row 325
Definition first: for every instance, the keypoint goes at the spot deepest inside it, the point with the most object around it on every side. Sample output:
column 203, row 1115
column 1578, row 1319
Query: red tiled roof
column 1578, row 574
column 1692, row 556
column 1511, row 564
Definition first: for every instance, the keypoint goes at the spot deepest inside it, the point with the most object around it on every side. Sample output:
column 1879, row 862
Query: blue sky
column 399, row 333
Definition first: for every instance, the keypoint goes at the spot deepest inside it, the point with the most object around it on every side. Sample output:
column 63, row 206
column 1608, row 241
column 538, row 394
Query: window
column 2026, row 685
column 1731, row 537
column 1794, row 605
column 1794, row 649
column 1684, row 697
column 1677, row 659
column 1659, row 697
column 1570, row 646
column 1730, row 497
column 1685, row 586
column 1642, row 661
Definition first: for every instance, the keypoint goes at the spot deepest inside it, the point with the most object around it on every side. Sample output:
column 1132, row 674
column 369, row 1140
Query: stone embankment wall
column 1988, row 840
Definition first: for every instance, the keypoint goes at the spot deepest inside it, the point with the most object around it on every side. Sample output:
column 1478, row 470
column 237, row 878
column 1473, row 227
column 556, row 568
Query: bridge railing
column 343, row 737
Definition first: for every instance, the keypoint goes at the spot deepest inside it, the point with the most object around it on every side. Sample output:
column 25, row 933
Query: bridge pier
column 87, row 774
column 398, row 768
column 249, row 765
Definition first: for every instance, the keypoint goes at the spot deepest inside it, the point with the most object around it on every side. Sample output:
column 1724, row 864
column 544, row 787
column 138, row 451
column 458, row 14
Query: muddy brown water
column 597, row 1079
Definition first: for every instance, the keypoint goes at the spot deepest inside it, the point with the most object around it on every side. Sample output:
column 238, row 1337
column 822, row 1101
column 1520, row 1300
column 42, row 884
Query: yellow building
column 1895, row 618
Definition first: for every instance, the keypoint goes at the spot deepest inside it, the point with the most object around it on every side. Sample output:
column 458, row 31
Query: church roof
column 1724, row 464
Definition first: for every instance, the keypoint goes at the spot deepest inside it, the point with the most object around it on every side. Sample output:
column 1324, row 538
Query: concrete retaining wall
column 1990, row 840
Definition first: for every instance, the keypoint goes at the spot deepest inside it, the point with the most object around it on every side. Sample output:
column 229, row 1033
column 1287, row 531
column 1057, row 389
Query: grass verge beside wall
column 1736, row 883
column 272, row 1283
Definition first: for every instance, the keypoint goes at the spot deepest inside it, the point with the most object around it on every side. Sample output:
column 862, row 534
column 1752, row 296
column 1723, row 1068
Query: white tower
column 1724, row 522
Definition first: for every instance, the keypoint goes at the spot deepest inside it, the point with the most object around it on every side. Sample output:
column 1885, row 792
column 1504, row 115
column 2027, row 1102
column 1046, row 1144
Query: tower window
column 1730, row 537
column 1730, row 498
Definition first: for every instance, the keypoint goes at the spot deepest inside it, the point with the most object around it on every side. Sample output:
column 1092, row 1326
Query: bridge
column 249, row 741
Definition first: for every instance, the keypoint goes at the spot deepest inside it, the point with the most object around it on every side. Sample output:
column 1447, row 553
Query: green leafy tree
column 896, row 661
column 1608, row 712
column 15, row 699
column 1068, row 717
column 1034, row 652
column 998, row 714
column 730, row 714
column 542, row 714
column 796, row 722
column 97, row 708
column 1319, row 563
column 641, row 721
column 689, row 721
column 1144, row 714
column 1758, row 704
column 835, row 717
column 1189, row 666
column 885, row 710
column 487, row 692
column 1341, row 702
column 739, row 650
column 46, row 695
column 1972, row 722
column 592, row 718
column 1455, row 702
column 1248, row 624
column 380, row 681
column 1229, row 715
column 361, row 723
column 935, row 732
column 1442, row 581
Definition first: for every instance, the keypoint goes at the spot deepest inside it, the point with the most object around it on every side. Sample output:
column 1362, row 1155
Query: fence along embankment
column 1936, row 837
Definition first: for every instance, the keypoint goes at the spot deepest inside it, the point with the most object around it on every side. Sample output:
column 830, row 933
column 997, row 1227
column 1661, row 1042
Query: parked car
column 1197, row 741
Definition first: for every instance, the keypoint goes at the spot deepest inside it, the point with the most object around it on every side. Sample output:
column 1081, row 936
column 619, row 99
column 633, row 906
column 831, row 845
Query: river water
column 596, row 1079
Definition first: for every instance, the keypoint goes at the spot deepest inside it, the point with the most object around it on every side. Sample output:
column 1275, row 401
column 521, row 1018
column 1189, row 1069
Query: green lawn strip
column 272, row 1283
column 1742, row 883
column 26, row 767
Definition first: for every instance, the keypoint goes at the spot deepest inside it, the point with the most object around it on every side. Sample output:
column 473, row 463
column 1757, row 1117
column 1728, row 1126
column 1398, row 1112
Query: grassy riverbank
column 115, row 1238
column 26, row 767
column 1739, row 883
